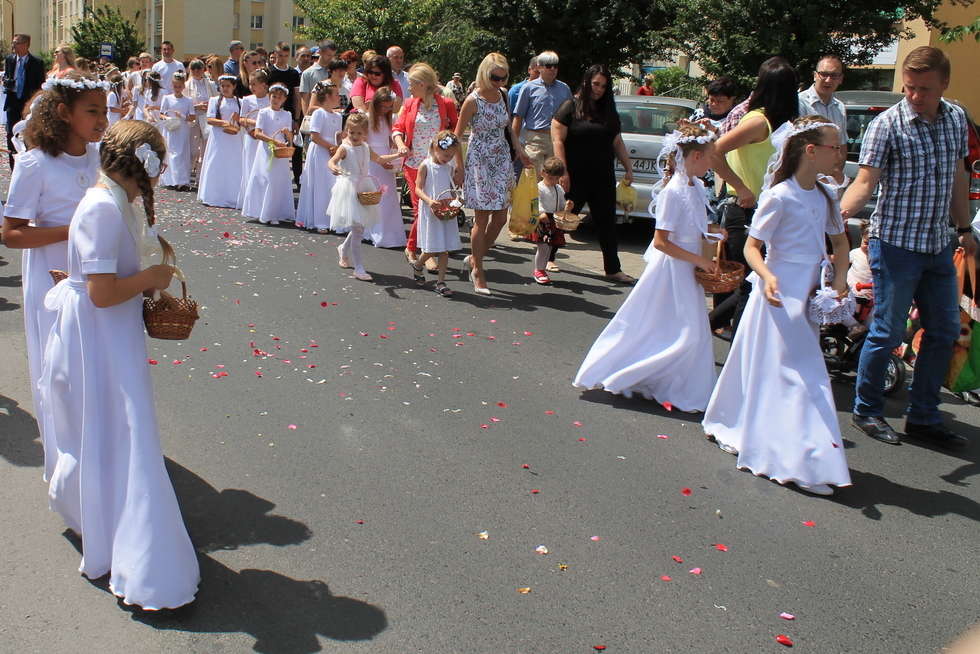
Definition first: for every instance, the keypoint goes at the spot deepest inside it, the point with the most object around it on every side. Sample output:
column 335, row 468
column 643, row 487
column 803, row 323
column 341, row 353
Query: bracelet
column 964, row 230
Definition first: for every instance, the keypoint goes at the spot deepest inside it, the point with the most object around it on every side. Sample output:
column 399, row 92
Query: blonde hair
column 66, row 50
column 687, row 129
column 117, row 154
column 490, row 63
column 47, row 130
column 424, row 74
column 357, row 120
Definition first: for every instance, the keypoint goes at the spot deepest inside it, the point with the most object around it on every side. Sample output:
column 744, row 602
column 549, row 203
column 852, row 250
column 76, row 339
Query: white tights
column 352, row 247
column 542, row 255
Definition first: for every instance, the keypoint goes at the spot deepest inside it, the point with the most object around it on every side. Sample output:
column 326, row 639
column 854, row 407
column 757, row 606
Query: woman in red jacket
column 422, row 117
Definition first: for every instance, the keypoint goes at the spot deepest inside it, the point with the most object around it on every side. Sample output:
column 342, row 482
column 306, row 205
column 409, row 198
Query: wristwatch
column 964, row 230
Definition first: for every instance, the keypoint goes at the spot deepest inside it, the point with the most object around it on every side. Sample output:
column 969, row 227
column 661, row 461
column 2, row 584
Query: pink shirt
column 362, row 88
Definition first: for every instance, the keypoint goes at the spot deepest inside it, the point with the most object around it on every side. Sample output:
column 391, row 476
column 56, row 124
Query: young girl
column 151, row 99
column 773, row 405
column 177, row 105
column 269, row 191
column 316, row 183
column 659, row 342
column 115, row 100
column 47, row 184
column 109, row 482
column 437, row 238
column 389, row 231
column 350, row 163
column 551, row 199
column 221, row 171
column 251, row 106
column 199, row 89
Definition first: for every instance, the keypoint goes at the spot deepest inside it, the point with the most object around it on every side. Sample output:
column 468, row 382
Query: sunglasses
column 549, row 65
column 829, row 74
column 373, row 72
column 498, row 78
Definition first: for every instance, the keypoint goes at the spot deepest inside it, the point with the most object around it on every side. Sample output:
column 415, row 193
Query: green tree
column 106, row 25
column 732, row 37
column 953, row 34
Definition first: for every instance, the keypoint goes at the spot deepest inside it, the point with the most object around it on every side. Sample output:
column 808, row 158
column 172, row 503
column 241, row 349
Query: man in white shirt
column 304, row 59
column 819, row 98
column 317, row 72
column 167, row 67
column 396, row 57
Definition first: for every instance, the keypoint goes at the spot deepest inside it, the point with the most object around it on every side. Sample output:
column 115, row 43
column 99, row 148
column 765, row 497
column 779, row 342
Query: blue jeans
column 901, row 276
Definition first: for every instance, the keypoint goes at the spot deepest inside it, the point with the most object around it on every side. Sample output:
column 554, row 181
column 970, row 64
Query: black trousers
column 13, row 117
column 297, row 165
column 728, row 307
column 598, row 190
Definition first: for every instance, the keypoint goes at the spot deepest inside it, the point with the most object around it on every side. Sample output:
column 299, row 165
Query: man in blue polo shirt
column 537, row 102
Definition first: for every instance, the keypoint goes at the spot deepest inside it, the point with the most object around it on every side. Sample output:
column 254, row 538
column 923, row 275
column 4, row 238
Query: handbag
column 507, row 135
column 523, row 204
column 305, row 126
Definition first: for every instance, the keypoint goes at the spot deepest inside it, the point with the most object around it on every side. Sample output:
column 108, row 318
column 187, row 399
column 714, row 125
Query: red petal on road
column 549, row 412
column 526, row 466
column 677, row 558
column 720, row 547
column 226, row 235
column 177, row 362
column 324, row 305
column 695, row 571
column 663, row 437
column 668, row 406
column 360, row 522
column 494, row 419
column 783, row 639
column 204, row 349
column 258, row 374
column 809, row 523
column 152, row 362
column 527, row 333
column 686, row 492
column 787, row 616
column 535, row 491
column 598, row 648
column 664, row 578
column 577, row 423
column 502, row 405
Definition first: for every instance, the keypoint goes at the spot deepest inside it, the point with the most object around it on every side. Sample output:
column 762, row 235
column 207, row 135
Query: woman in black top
column 586, row 136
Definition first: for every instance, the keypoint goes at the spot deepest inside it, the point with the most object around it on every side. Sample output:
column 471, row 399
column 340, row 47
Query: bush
column 676, row 83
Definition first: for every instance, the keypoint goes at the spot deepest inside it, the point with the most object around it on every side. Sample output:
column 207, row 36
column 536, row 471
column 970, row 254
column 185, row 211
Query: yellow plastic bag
column 625, row 196
column 523, row 204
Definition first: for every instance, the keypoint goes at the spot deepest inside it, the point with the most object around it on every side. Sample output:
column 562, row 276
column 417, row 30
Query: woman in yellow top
column 741, row 155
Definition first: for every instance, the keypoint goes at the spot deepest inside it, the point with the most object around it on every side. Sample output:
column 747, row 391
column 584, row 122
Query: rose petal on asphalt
column 783, row 639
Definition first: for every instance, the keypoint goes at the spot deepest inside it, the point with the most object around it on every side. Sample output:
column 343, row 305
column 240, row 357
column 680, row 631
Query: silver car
column 863, row 107
column 645, row 120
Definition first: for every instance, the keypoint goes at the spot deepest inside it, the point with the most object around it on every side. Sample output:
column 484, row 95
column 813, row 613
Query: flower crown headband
column 780, row 138
column 279, row 87
column 77, row 84
column 227, row 78
column 672, row 143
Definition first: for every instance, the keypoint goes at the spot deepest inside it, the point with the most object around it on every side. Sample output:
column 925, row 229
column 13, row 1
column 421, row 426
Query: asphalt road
column 337, row 479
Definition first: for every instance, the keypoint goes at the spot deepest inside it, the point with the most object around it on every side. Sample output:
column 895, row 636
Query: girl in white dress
column 251, row 106
column 269, row 195
column 47, row 184
column 179, row 106
column 316, row 182
column 199, row 89
column 152, row 97
column 109, row 484
column 221, row 171
column 350, row 164
column 773, row 405
column 115, row 100
column 437, row 238
column 659, row 344
column 389, row 231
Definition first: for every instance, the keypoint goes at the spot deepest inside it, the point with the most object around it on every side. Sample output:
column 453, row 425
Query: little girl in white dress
column 221, row 170
column 437, row 237
column 109, row 483
column 316, row 183
column 251, row 106
column 179, row 106
column 773, row 405
column 350, row 162
column 269, row 186
column 659, row 342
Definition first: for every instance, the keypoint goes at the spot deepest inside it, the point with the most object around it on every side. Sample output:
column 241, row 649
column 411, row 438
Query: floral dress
column 489, row 172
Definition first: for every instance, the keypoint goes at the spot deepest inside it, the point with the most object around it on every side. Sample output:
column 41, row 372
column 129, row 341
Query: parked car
column 645, row 121
column 863, row 107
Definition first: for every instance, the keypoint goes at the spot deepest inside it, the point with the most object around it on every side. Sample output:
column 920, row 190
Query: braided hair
column 118, row 155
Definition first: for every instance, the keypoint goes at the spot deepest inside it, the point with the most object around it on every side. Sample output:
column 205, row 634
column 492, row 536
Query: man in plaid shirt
column 916, row 150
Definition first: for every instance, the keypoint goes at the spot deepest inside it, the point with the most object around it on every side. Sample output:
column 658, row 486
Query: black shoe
column 877, row 428
column 937, row 434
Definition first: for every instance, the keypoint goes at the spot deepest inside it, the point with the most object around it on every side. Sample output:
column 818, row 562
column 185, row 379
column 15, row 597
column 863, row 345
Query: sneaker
column 541, row 277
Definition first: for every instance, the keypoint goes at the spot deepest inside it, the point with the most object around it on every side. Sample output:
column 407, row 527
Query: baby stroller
column 842, row 346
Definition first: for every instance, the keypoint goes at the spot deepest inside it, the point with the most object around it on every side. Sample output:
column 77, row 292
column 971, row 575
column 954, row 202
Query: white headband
column 229, row 78
column 77, row 84
column 281, row 87
column 779, row 139
column 149, row 159
column 672, row 143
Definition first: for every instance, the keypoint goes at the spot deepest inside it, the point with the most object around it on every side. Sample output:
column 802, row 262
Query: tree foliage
column 732, row 37
column 454, row 35
column 953, row 34
column 106, row 25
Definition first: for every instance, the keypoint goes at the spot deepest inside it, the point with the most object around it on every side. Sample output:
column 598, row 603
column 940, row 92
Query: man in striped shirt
column 916, row 151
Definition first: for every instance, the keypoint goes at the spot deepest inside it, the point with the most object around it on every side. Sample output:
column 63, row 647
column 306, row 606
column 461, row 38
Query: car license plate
column 641, row 166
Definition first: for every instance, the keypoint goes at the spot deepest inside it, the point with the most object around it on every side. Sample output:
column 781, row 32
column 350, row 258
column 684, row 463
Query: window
column 298, row 23
column 255, row 44
column 256, row 22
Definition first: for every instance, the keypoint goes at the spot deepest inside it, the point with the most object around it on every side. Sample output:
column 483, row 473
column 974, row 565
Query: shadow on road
column 870, row 490
column 10, row 281
column 20, row 440
column 284, row 615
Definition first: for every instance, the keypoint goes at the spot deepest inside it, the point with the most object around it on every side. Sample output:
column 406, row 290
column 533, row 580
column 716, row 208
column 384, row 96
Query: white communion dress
column 773, row 403
column 178, row 172
column 437, row 235
column 46, row 190
column 221, row 170
column 389, row 231
column 251, row 106
column 269, row 187
column 316, row 182
column 659, row 344
column 345, row 209
column 109, row 484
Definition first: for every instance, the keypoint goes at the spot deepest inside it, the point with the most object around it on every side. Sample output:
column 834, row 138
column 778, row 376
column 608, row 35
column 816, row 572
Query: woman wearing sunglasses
column 489, row 172
column 377, row 73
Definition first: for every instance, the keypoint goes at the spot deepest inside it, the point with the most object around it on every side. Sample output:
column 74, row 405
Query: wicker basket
column 449, row 205
column 230, row 129
column 170, row 318
column 567, row 221
column 729, row 276
column 370, row 198
column 283, row 151
column 172, row 124
column 58, row 275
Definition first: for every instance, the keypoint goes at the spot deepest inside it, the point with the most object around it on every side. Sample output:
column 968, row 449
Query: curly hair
column 46, row 129
column 118, row 156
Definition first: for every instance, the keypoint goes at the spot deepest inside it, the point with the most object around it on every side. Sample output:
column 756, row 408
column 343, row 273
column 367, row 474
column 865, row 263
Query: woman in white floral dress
column 489, row 173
